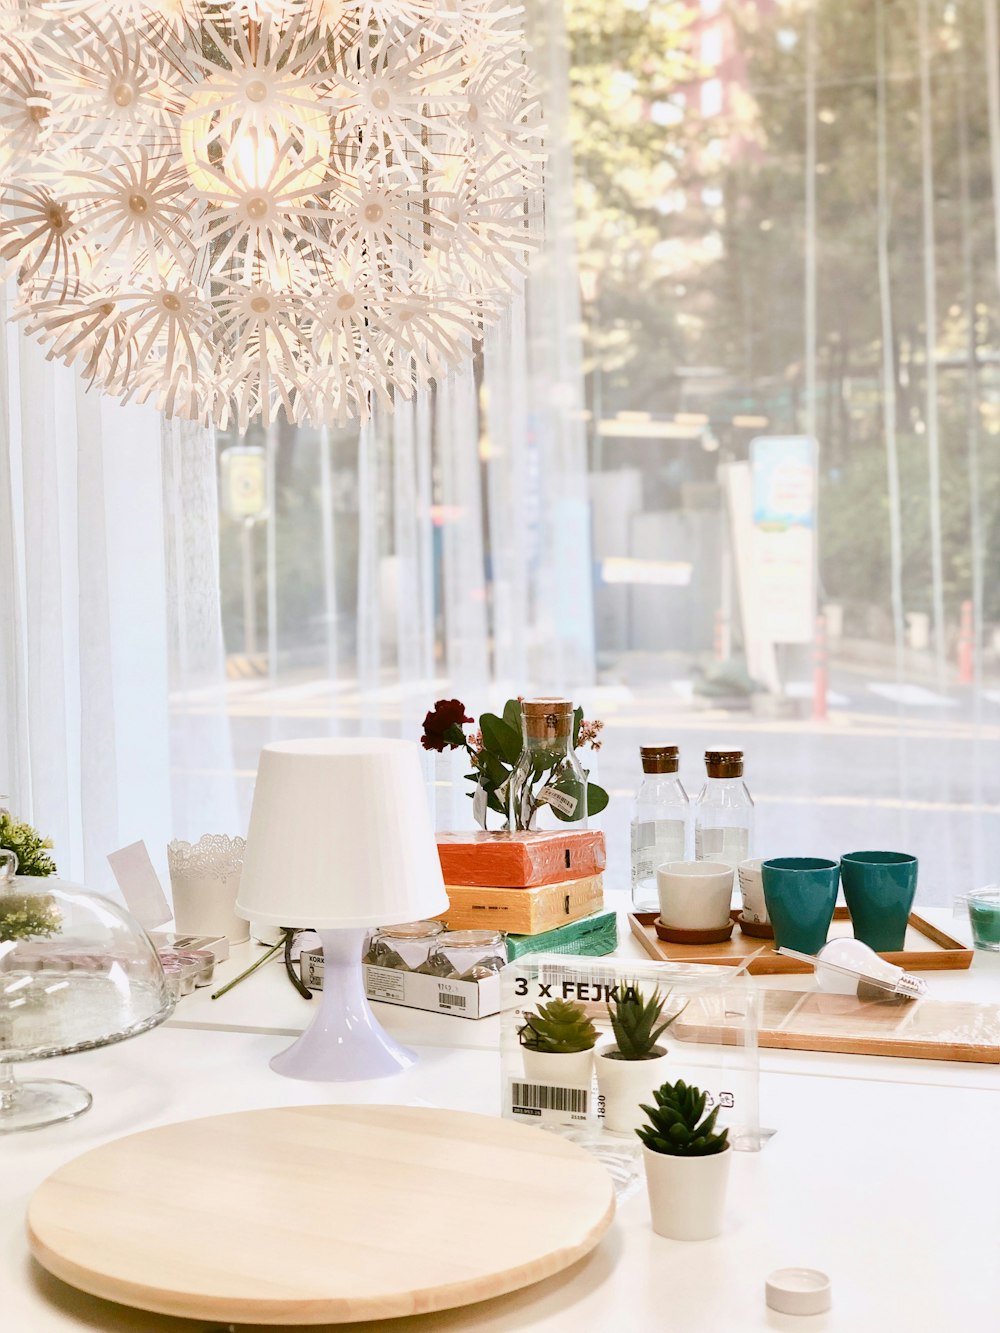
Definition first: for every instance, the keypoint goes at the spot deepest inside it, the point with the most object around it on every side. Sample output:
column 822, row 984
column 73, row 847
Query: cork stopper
column 659, row 758
column 547, row 718
column 724, row 763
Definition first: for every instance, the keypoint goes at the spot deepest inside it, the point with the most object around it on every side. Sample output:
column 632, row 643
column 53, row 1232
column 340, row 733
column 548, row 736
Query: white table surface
column 884, row 1173
column 893, row 1189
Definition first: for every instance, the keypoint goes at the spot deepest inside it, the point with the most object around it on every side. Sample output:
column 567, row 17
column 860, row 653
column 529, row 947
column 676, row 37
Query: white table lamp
column 341, row 839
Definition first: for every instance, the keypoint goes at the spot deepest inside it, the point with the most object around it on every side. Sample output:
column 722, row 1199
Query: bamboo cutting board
column 320, row 1214
column 925, row 949
column 790, row 1020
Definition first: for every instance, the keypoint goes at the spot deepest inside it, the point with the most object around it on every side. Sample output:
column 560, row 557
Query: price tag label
column 559, row 800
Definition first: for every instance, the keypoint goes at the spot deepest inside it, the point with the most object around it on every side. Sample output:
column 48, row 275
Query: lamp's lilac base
column 345, row 1041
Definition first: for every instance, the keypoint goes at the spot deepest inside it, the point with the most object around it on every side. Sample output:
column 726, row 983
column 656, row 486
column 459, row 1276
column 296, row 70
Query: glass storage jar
column 404, row 947
column 466, row 955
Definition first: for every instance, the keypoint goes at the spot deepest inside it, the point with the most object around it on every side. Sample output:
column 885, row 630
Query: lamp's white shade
column 340, row 836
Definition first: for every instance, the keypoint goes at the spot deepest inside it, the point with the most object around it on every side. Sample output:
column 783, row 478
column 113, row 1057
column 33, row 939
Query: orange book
column 520, row 860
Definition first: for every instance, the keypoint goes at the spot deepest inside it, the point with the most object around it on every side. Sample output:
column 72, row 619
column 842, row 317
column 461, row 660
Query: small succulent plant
column 676, row 1126
column 634, row 1020
column 559, row 1028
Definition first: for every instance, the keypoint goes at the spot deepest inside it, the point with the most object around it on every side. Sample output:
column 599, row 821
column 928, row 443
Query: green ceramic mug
column 879, row 888
column 801, row 893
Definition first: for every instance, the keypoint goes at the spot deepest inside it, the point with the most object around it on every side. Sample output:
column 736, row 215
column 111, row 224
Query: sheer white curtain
column 107, row 587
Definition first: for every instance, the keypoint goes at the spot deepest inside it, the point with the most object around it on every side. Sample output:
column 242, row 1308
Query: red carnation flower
column 443, row 726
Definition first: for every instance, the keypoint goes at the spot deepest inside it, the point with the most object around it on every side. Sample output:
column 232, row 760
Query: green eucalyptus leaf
column 512, row 715
column 597, row 799
column 499, row 738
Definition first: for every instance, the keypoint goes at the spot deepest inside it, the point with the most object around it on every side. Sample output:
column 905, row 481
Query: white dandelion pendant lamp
column 225, row 209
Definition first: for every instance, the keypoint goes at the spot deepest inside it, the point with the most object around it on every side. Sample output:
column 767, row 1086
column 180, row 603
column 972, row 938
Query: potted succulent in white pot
column 631, row 1065
column 687, row 1164
column 558, row 1045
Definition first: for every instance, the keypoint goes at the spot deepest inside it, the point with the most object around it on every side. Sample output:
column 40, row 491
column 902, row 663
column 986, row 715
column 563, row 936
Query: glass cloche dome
column 76, row 972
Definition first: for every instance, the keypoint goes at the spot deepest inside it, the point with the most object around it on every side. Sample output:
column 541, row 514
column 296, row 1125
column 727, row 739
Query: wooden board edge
column 881, row 1046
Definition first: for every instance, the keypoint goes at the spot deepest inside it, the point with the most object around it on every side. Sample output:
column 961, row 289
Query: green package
column 591, row 936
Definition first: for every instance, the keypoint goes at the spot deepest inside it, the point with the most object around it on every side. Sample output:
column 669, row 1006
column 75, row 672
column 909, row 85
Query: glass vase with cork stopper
column 723, row 816
column 661, row 816
column 548, row 787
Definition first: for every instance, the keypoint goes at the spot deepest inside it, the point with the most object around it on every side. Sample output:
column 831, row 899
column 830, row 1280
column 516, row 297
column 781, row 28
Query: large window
column 786, row 226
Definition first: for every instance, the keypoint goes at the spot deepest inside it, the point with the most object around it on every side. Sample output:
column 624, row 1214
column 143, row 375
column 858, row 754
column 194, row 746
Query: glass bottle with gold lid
column 661, row 816
column 723, row 816
column 548, row 788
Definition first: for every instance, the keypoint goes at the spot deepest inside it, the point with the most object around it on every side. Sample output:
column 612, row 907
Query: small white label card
column 480, row 804
column 140, row 885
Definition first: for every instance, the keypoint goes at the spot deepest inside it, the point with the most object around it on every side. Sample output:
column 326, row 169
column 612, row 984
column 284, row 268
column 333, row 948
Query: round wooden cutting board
column 320, row 1214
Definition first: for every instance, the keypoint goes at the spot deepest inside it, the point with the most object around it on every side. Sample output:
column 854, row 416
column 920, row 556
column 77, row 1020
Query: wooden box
column 520, row 860
column 523, row 911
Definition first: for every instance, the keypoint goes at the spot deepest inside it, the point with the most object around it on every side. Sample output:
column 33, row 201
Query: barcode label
column 559, row 800
column 447, row 1001
column 534, row 1098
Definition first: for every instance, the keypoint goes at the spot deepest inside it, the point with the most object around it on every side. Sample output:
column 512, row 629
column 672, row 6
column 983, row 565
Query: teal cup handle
column 879, row 888
column 801, row 893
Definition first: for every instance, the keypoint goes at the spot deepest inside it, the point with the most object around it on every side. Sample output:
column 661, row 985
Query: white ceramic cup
column 752, row 891
column 694, row 895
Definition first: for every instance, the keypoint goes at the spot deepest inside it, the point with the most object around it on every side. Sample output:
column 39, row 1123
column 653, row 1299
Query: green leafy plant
column 495, row 749
column 559, row 1028
column 27, row 844
column 676, row 1126
column 635, row 1022
column 25, row 916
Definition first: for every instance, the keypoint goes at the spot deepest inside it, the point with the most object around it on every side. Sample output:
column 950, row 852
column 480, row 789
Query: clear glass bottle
column 548, row 788
column 723, row 815
column 661, row 817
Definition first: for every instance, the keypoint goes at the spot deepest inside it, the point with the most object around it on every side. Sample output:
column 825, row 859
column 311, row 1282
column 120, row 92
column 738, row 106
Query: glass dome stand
column 37, row 1102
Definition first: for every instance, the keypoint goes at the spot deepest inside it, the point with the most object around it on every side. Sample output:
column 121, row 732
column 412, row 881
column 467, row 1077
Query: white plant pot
column 695, row 895
column 558, row 1070
column 687, row 1195
column 625, row 1085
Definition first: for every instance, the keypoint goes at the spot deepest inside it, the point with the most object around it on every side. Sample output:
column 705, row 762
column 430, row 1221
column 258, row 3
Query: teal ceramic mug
column 801, row 893
column 879, row 888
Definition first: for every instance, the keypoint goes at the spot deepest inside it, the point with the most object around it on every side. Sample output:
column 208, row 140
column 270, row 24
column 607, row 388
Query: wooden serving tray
column 320, row 1214
column 811, row 1021
column 927, row 949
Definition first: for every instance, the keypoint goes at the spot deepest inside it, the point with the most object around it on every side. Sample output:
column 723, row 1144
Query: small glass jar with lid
column 404, row 947
column 467, row 955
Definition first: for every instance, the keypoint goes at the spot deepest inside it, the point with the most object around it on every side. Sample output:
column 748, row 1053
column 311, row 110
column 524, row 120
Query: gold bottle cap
column 546, row 718
column 659, row 758
column 724, row 763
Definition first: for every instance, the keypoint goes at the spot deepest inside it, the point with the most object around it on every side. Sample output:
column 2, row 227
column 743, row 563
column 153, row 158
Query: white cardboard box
column 414, row 990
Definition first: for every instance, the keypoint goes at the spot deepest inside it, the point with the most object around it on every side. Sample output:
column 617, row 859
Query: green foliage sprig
column 560, row 1027
column 635, row 1022
column 496, row 747
column 676, row 1126
column 27, row 844
column 26, row 916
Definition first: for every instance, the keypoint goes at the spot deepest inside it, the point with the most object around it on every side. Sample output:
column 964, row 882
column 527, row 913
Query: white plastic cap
column 798, row 1291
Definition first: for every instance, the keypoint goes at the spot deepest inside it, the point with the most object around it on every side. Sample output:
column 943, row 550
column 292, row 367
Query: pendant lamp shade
column 340, row 837
column 231, row 208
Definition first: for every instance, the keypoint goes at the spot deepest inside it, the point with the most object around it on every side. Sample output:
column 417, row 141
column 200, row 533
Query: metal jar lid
column 659, row 758
column 724, row 763
column 545, row 718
